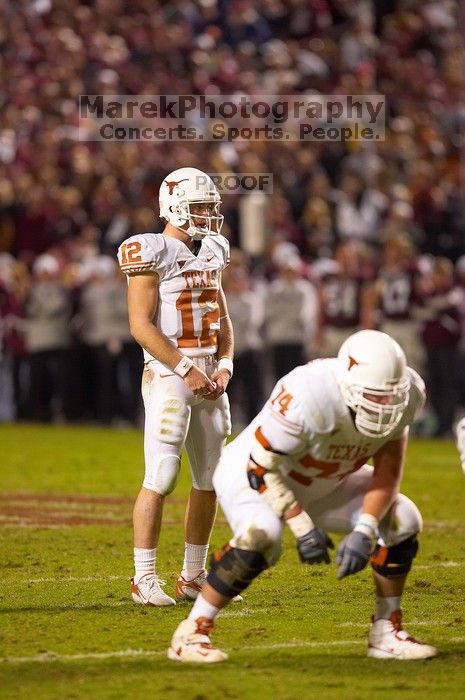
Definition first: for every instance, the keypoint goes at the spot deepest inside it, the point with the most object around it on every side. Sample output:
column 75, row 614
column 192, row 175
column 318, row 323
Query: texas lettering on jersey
column 342, row 460
column 188, row 312
column 205, row 279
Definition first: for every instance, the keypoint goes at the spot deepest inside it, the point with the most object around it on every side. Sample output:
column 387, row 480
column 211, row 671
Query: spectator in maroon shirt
column 441, row 334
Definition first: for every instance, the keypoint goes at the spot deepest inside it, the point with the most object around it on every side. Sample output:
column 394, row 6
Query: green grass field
column 68, row 628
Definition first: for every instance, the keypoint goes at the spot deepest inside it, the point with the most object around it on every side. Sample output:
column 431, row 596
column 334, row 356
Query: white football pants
column 176, row 418
column 256, row 527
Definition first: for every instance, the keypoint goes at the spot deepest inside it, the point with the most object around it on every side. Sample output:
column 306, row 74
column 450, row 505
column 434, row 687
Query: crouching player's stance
column 306, row 453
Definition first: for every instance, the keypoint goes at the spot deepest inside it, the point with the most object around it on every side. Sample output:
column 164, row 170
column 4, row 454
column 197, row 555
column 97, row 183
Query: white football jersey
column 307, row 419
column 188, row 312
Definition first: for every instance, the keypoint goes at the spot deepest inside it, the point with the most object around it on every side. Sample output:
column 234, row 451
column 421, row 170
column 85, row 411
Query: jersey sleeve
column 417, row 397
column 221, row 245
column 282, row 425
column 417, row 393
column 141, row 253
column 305, row 403
column 226, row 253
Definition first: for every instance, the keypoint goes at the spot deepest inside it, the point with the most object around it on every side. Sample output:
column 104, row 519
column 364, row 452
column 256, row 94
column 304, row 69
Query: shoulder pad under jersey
column 416, row 397
column 319, row 398
column 220, row 246
column 142, row 253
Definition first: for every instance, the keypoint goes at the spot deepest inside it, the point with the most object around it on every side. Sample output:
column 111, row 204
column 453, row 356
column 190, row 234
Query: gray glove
column 353, row 553
column 313, row 546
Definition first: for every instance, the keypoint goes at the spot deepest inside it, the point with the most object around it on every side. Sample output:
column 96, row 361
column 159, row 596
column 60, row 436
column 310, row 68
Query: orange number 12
column 190, row 338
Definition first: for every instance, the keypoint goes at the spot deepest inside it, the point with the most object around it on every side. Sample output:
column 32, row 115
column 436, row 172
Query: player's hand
column 198, row 382
column 256, row 477
column 353, row 553
column 271, row 488
column 313, row 547
column 221, row 379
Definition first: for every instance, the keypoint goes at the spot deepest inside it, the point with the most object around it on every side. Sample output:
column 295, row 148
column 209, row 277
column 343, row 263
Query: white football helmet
column 374, row 381
column 179, row 191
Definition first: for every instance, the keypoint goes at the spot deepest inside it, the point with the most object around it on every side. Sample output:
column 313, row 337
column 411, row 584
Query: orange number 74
column 283, row 399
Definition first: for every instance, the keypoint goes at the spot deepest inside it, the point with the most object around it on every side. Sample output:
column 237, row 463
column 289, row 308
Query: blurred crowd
column 343, row 216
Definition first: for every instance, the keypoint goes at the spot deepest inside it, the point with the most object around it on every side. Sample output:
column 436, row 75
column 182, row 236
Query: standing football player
column 178, row 314
column 303, row 461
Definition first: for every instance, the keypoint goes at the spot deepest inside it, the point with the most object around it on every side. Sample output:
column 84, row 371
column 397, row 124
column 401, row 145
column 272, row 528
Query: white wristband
column 300, row 524
column 226, row 363
column 368, row 524
column 183, row 366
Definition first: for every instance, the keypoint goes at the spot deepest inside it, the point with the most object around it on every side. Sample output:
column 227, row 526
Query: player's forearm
column 385, row 483
column 156, row 344
column 225, row 339
column 382, row 492
column 377, row 501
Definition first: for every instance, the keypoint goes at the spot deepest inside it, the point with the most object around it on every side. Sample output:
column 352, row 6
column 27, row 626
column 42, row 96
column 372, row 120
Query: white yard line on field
column 410, row 623
column 131, row 653
column 445, row 564
column 83, row 579
column 51, row 657
column 234, row 612
column 66, row 579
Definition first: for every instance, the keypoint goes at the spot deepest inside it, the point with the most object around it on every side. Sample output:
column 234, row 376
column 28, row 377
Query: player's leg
column 166, row 423
column 391, row 560
column 198, row 524
column 256, row 545
column 209, row 426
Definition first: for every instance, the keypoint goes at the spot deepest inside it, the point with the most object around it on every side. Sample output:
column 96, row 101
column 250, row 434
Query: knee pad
column 396, row 560
column 171, row 422
column 221, row 417
column 232, row 570
column 264, row 538
column 408, row 521
column 166, row 475
column 224, row 425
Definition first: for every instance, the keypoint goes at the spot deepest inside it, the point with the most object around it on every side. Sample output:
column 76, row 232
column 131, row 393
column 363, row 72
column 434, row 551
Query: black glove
column 256, row 477
column 313, row 546
column 353, row 553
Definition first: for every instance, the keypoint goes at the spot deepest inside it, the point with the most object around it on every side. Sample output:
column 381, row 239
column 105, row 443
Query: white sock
column 203, row 608
column 195, row 557
column 385, row 606
column 144, row 562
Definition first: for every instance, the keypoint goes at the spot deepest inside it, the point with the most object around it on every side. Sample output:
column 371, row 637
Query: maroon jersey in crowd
column 398, row 293
column 11, row 339
column 342, row 298
column 444, row 327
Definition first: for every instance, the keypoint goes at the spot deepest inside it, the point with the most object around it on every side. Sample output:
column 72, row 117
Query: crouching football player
column 306, row 453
